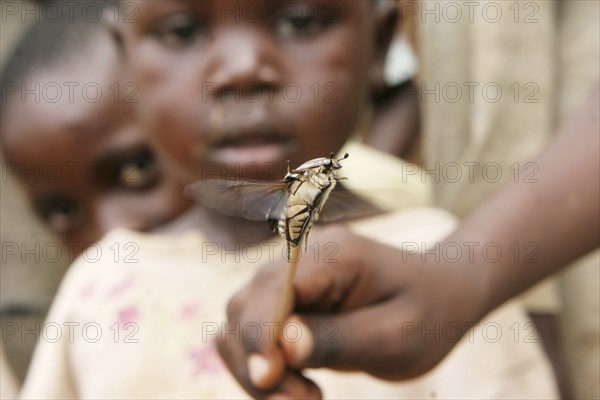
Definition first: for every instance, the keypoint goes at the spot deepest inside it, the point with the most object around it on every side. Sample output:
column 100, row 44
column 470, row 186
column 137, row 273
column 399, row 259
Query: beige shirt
column 8, row 383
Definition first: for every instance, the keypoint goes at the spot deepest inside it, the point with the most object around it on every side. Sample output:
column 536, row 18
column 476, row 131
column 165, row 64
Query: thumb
column 266, row 368
column 298, row 345
column 366, row 339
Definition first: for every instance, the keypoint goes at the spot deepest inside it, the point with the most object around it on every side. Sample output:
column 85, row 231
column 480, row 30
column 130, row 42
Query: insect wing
column 253, row 200
column 344, row 204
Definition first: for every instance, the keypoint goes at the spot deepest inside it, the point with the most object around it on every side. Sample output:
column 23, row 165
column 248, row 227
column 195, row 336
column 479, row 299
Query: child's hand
column 365, row 311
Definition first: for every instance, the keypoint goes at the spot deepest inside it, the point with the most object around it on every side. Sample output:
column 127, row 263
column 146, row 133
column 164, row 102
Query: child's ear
column 386, row 20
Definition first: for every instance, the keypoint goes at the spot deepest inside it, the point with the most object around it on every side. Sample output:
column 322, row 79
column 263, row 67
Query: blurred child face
column 85, row 165
column 247, row 85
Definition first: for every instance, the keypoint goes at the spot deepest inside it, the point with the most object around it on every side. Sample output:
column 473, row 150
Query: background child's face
column 247, row 83
column 93, row 169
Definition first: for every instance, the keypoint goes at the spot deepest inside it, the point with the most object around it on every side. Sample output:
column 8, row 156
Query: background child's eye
column 179, row 30
column 61, row 216
column 139, row 172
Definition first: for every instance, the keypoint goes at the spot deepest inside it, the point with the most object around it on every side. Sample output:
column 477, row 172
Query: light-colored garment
column 9, row 387
column 144, row 327
column 138, row 314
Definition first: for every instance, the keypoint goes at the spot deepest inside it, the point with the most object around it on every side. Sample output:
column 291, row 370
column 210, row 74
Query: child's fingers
column 251, row 315
column 290, row 385
column 296, row 386
column 265, row 369
column 368, row 339
column 348, row 283
column 358, row 274
column 255, row 375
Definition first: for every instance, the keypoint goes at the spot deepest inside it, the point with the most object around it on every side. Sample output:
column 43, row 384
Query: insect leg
column 298, row 187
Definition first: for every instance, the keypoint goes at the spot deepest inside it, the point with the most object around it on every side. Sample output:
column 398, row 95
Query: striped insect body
column 309, row 187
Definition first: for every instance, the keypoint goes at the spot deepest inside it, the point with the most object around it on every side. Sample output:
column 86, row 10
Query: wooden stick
column 287, row 296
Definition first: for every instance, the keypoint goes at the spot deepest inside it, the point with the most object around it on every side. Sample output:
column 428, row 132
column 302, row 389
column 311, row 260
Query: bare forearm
column 541, row 226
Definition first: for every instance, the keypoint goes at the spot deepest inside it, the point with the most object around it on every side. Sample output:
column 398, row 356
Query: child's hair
column 49, row 44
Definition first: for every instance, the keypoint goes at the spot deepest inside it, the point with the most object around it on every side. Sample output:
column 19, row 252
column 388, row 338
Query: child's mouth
column 256, row 147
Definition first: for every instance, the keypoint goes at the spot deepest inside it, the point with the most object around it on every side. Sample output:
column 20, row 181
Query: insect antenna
column 346, row 155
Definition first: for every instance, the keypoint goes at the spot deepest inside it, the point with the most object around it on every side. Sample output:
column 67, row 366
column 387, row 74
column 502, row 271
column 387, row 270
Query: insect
column 290, row 206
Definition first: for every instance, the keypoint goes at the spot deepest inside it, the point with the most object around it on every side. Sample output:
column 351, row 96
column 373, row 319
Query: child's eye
column 301, row 21
column 139, row 172
column 179, row 30
column 61, row 216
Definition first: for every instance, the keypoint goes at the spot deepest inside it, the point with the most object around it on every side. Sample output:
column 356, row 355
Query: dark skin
column 218, row 93
column 368, row 295
column 109, row 177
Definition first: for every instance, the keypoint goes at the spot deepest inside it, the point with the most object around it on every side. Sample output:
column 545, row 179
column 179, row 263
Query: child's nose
column 245, row 62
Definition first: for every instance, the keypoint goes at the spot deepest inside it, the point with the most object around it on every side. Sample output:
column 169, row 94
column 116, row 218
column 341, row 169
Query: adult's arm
column 373, row 288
